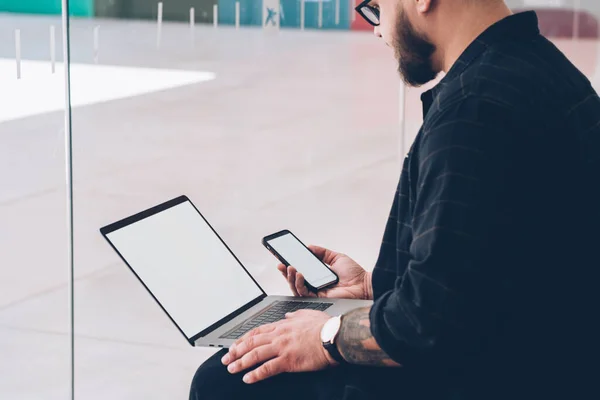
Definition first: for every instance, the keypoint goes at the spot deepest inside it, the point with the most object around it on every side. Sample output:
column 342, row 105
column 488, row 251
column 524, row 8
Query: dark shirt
column 486, row 283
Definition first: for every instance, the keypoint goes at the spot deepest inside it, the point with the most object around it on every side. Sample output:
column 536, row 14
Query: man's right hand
column 354, row 281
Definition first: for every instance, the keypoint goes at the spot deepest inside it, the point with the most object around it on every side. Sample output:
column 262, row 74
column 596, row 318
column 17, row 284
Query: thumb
column 323, row 254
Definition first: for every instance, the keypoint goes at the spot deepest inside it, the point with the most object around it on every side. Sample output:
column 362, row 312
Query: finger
column 283, row 269
column 291, row 276
column 238, row 350
column 263, row 329
column 255, row 357
column 267, row 370
column 301, row 286
column 323, row 254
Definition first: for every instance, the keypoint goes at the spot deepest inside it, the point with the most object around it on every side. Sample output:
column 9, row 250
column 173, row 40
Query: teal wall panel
column 83, row 8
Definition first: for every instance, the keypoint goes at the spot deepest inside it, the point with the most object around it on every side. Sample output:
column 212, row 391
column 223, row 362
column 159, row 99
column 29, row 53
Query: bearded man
column 486, row 282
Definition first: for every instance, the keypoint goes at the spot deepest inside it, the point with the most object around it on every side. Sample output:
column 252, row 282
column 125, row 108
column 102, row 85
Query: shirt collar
column 517, row 26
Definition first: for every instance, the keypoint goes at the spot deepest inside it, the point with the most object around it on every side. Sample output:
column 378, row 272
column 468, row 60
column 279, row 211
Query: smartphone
column 289, row 250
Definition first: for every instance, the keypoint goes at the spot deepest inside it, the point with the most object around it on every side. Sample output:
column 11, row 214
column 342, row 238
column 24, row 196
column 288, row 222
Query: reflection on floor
column 36, row 92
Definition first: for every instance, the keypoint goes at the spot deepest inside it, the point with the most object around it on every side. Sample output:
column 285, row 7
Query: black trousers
column 349, row 382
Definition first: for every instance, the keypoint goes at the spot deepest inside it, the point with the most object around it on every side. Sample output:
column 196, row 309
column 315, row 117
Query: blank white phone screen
column 185, row 265
column 302, row 259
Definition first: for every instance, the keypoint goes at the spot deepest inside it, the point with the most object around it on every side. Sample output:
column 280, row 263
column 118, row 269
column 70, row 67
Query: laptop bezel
column 105, row 231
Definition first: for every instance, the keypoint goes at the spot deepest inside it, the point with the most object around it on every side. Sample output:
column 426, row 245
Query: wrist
column 329, row 332
column 368, row 285
column 330, row 360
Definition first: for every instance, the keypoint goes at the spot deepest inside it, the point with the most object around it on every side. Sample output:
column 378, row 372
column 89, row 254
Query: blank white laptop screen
column 186, row 266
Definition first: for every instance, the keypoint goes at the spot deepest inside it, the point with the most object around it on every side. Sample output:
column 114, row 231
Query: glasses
column 369, row 13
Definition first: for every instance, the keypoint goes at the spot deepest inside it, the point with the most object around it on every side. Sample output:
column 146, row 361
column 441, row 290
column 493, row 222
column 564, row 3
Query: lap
column 212, row 381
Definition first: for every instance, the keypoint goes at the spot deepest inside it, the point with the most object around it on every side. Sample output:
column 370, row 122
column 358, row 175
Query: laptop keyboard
column 273, row 313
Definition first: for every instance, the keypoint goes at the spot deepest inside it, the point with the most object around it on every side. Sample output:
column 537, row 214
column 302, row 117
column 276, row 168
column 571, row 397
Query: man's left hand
column 290, row 345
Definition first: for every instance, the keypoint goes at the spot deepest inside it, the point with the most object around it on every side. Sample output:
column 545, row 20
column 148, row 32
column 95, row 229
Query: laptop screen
column 185, row 265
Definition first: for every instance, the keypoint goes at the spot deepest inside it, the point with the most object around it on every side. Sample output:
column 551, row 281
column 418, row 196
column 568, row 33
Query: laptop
column 197, row 280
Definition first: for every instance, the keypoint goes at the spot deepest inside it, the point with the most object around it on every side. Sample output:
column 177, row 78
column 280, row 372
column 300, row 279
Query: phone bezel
column 284, row 232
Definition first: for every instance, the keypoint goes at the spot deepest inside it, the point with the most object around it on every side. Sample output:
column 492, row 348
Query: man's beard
column 414, row 53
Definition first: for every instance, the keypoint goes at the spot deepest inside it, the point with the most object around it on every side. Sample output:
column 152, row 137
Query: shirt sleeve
column 433, row 313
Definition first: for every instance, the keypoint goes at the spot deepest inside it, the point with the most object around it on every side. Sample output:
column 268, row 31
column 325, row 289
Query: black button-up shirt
column 488, row 251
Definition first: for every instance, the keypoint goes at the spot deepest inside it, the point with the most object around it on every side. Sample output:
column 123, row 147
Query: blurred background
column 299, row 126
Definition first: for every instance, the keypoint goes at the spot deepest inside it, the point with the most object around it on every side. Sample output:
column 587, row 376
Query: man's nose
column 377, row 32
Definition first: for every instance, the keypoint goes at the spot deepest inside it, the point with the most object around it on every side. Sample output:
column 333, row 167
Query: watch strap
column 334, row 352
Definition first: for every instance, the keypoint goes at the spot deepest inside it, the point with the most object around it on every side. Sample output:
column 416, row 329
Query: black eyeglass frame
column 365, row 4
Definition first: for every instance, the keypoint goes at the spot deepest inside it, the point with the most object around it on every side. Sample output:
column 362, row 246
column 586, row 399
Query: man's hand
column 355, row 282
column 290, row 345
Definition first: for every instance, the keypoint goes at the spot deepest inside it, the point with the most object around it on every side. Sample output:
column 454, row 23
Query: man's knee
column 212, row 381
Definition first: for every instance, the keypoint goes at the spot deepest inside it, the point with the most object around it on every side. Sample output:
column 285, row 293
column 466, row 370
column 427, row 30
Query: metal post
column 302, row 8
column 237, row 15
column 320, row 16
column 215, row 16
column 193, row 24
column 18, row 51
column 53, row 48
column 159, row 24
column 576, row 10
column 402, row 122
column 96, row 44
column 69, row 179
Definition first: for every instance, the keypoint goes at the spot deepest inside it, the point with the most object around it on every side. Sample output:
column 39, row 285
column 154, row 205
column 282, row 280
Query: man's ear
column 424, row 6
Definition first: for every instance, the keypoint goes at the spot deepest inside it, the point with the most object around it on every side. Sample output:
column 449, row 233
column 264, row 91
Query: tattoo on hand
column 356, row 342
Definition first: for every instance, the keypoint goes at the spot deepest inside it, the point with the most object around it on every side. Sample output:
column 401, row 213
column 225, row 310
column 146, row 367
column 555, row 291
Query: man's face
column 412, row 49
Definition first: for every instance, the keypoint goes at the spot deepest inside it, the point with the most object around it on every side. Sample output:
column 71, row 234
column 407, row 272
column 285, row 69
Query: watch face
column 330, row 329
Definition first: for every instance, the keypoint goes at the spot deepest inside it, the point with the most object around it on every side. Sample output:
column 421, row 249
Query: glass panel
column 34, row 317
column 263, row 129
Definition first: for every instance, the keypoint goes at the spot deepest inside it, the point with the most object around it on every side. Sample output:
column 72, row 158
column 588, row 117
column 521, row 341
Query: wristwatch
column 329, row 333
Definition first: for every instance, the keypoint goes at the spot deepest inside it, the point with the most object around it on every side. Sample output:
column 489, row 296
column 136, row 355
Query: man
column 485, row 285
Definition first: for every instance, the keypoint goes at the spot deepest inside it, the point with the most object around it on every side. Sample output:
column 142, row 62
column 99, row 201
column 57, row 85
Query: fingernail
column 246, row 379
column 231, row 368
column 225, row 359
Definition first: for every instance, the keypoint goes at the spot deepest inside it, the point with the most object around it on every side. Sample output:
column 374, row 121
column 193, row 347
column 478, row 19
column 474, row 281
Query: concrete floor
column 298, row 130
